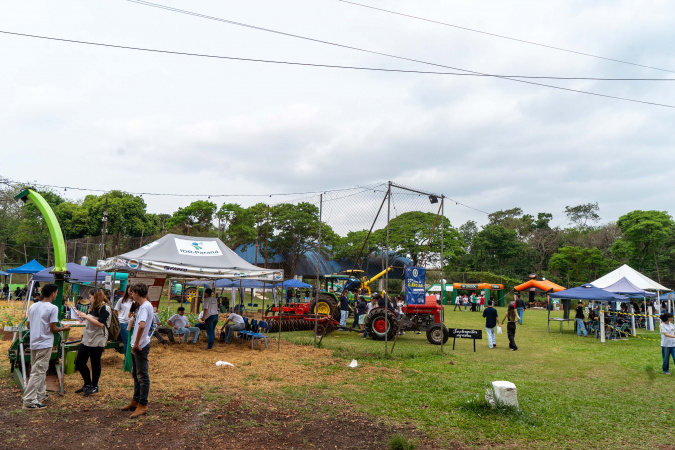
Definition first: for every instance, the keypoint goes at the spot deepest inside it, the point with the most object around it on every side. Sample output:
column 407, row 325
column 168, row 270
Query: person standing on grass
column 491, row 317
column 94, row 340
column 520, row 308
column 355, row 323
column 667, row 329
column 362, row 308
column 344, row 309
column 122, row 310
column 580, row 319
column 512, row 317
column 42, row 320
column 210, row 319
column 140, row 349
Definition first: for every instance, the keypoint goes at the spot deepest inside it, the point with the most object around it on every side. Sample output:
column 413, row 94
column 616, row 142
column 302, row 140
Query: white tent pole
column 650, row 319
column 602, row 324
column 632, row 319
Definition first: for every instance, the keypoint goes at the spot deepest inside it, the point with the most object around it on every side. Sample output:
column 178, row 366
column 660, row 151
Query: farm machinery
column 380, row 323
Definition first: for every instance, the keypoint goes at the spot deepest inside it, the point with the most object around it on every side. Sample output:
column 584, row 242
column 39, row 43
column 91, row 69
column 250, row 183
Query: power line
column 330, row 66
column 505, row 37
column 389, row 55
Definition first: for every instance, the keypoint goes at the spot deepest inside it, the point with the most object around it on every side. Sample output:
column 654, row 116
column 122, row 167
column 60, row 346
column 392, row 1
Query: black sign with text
column 460, row 333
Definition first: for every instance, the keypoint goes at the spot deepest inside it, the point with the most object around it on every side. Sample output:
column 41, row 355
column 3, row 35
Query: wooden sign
column 463, row 333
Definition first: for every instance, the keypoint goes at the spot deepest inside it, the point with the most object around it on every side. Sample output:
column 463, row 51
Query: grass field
column 573, row 392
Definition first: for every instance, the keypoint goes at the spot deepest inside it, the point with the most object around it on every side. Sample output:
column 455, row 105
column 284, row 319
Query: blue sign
column 415, row 278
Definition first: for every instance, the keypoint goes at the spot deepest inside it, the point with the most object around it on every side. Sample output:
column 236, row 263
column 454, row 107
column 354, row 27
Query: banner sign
column 459, row 333
column 197, row 247
column 415, row 277
column 154, row 282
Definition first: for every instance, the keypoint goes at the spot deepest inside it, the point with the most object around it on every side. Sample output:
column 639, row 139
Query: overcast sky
column 117, row 119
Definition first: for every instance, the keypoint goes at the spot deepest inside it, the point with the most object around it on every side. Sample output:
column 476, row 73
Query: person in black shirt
column 344, row 309
column 362, row 309
column 491, row 317
column 520, row 308
column 382, row 300
column 581, row 325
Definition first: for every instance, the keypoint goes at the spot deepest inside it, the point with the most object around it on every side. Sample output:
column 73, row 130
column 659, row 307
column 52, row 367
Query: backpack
column 114, row 327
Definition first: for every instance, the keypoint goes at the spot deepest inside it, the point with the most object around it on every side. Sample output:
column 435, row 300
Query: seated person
column 182, row 327
column 237, row 325
column 382, row 299
column 199, row 324
column 156, row 323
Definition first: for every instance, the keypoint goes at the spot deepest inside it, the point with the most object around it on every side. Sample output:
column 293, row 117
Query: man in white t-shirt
column 42, row 320
column 210, row 319
column 237, row 325
column 140, row 348
column 181, row 326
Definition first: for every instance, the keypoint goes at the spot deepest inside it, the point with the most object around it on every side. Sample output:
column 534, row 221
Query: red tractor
column 427, row 317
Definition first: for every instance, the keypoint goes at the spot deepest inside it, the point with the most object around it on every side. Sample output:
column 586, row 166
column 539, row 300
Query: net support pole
column 318, row 269
column 443, row 293
column 280, row 314
column 386, row 274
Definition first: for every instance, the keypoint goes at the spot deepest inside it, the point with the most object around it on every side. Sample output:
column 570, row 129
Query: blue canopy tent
column 3, row 273
column 293, row 283
column 586, row 292
column 29, row 268
column 239, row 284
column 624, row 286
column 78, row 274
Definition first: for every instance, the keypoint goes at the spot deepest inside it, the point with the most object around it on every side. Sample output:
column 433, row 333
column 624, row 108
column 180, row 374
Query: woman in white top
column 122, row 311
column 667, row 341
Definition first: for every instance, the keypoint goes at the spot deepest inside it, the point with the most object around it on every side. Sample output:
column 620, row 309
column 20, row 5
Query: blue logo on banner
column 415, row 278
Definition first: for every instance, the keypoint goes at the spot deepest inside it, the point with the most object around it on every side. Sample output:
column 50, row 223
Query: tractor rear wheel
column 325, row 304
column 191, row 294
column 381, row 321
column 436, row 333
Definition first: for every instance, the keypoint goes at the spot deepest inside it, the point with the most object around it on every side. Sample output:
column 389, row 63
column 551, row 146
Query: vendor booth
column 533, row 287
column 497, row 296
column 435, row 289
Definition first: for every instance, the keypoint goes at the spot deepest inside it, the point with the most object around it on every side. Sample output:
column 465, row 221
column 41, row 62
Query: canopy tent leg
column 602, row 325
column 632, row 320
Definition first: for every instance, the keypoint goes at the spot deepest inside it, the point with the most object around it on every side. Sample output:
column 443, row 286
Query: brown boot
column 140, row 410
column 131, row 406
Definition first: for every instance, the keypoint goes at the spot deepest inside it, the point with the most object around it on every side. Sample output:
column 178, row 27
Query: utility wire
column 389, row 55
column 505, row 37
column 331, row 66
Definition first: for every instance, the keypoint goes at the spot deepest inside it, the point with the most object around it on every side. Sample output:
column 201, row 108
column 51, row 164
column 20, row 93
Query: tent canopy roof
column 189, row 257
column 3, row 273
column 78, row 273
column 589, row 292
column 624, row 286
column 293, row 283
column 30, row 267
column 631, row 275
column 539, row 285
column 225, row 283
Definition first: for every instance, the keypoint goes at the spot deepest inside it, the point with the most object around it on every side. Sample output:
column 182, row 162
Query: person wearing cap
column 667, row 329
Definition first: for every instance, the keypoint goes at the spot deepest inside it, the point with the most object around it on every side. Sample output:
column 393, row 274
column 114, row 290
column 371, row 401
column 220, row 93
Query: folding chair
column 247, row 329
column 263, row 330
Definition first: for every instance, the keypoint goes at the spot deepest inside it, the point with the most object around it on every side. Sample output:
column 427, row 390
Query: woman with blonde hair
column 94, row 340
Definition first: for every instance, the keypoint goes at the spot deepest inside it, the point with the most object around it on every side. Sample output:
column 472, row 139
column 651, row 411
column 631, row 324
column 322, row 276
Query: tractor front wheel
column 437, row 333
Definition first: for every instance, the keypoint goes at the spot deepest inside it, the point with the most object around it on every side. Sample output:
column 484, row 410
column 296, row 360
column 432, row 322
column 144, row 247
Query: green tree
column 197, row 217
column 581, row 265
column 296, row 230
column 581, row 215
column 409, row 236
column 646, row 233
column 496, row 244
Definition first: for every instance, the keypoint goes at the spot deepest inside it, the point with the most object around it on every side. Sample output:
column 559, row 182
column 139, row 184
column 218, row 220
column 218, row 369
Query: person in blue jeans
column 580, row 319
column 520, row 308
column 210, row 317
column 491, row 317
column 667, row 329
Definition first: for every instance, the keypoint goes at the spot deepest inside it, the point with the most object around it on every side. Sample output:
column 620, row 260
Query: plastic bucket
column 70, row 362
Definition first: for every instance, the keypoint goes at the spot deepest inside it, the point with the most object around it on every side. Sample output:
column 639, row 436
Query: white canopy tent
column 632, row 275
column 639, row 280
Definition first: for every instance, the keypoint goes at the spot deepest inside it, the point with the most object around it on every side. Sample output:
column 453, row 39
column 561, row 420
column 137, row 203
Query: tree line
column 512, row 244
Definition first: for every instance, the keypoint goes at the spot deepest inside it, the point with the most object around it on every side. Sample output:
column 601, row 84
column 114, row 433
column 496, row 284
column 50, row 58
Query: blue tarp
column 78, row 273
column 293, row 283
column 589, row 292
column 226, row 283
column 3, row 273
column 30, row 267
column 624, row 286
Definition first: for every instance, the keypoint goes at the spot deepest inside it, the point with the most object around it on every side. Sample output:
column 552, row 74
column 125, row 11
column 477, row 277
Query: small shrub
column 400, row 442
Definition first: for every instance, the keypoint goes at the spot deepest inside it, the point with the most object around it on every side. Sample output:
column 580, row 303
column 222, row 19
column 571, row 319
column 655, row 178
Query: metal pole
column 632, row 319
column 280, row 314
column 386, row 274
column 443, row 293
column 318, row 269
column 602, row 325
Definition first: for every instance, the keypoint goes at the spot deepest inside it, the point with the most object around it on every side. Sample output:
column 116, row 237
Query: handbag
column 499, row 329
